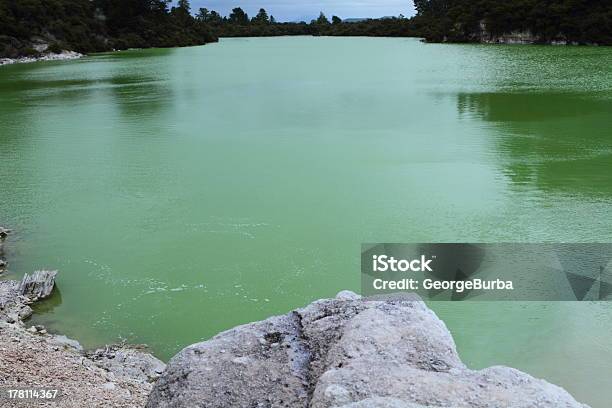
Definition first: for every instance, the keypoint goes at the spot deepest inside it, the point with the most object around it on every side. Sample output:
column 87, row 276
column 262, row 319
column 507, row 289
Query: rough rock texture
column 39, row 285
column 15, row 297
column 3, row 234
column 11, row 303
column 129, row 361
column 344, row 352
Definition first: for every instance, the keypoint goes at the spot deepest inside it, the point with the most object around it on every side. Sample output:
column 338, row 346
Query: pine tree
column 261, row 17
column 322, row 19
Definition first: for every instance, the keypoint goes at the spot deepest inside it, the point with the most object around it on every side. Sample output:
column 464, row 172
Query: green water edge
column 181, row 192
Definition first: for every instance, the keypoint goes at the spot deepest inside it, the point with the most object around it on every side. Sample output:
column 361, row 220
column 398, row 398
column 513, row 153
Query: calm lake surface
column 182, row 192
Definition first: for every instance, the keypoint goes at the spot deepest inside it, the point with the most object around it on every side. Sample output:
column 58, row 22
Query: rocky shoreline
column 119, row 376
column 64, row 55
column 345, row 352
column 113, row 376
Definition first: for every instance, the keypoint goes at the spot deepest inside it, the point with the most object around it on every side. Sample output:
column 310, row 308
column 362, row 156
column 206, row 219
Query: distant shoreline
column 509, row 39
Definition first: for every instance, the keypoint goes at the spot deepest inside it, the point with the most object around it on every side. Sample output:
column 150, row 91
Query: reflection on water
column 557, row 142
column 139, row 96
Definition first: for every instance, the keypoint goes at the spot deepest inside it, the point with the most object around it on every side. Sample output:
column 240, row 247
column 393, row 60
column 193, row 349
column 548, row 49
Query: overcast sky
column 291, row 10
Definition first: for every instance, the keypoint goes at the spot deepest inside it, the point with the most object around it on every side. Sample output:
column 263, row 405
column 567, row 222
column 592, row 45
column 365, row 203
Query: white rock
column 347, row 295
column 109, row 386
column 349, row 352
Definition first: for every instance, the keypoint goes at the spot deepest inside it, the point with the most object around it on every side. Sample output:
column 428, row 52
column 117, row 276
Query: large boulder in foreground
column 345, row 352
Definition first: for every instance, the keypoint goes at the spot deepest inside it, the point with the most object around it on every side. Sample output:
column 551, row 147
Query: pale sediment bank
column 64, row 55
column 32, row 358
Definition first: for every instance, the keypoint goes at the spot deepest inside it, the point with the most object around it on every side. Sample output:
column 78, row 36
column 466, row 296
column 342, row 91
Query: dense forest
column 27, row 27
column 239, row 24
column 571, row 21
column 96, row 25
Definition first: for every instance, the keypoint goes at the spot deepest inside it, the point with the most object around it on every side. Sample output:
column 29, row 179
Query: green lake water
column 182, row 192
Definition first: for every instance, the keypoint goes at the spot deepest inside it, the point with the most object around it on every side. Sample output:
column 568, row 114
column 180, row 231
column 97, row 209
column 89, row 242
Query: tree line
column 239, row 24
column 97, row 25
column 573, row 21
column 101, row 25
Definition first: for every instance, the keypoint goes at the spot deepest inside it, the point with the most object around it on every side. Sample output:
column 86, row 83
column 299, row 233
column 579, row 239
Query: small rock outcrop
column 12, row 305
column 39, row 285
column 16, row 297
column 345, row 352
column 4, row 233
